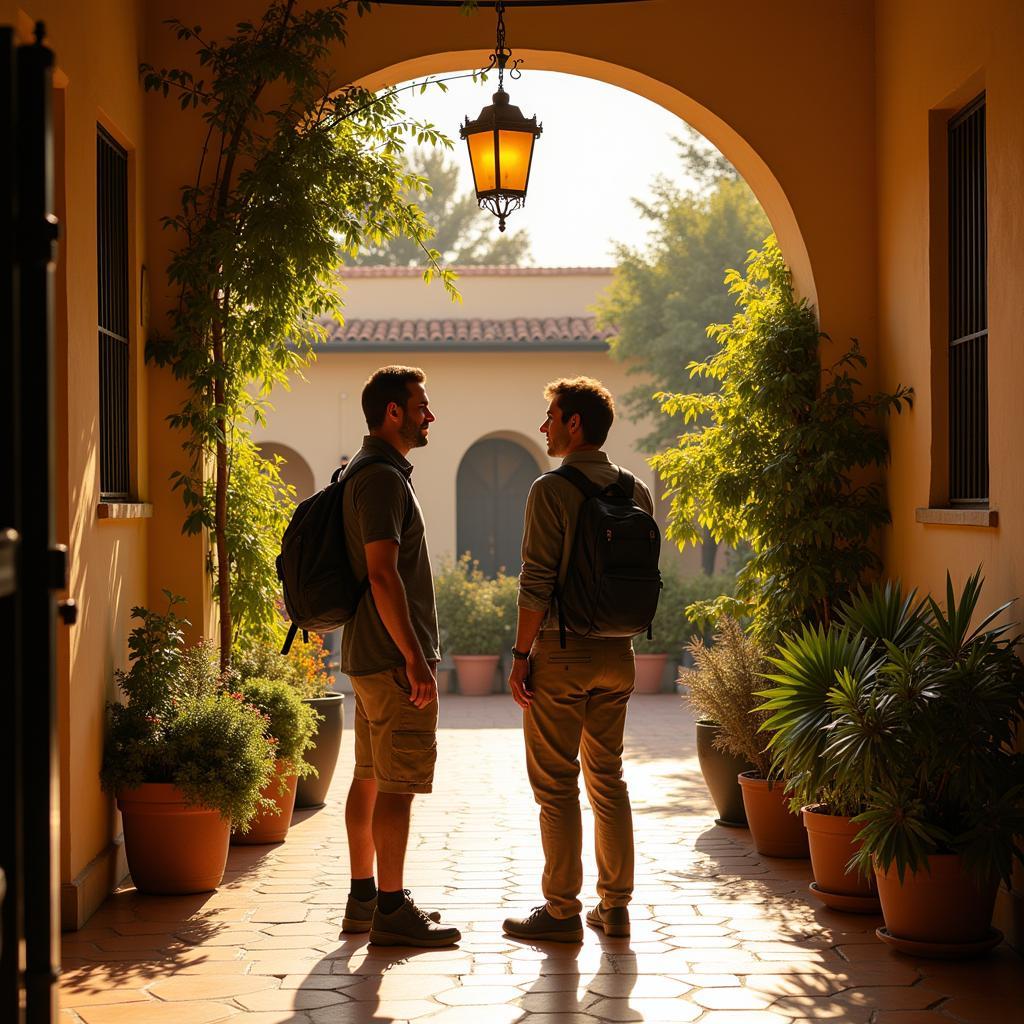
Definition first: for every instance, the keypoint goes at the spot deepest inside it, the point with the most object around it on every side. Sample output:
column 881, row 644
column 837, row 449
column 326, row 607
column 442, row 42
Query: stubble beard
column 413, row 435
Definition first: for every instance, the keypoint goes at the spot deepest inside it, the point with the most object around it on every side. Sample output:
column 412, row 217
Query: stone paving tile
column 720, row 935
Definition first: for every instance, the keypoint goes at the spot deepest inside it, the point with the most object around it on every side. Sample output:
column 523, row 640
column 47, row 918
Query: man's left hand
column 519, row 682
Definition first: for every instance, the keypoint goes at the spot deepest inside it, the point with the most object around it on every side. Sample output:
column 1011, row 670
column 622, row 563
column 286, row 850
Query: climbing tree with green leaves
column 786, row 456
column 297, row 172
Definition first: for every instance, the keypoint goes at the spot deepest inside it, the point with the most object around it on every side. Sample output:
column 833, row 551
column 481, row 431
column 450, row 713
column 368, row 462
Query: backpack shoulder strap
column 626, row 483
column 578, row 479
column 357, row 464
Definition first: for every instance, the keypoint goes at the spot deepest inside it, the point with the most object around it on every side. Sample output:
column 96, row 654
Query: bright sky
column 601, row 146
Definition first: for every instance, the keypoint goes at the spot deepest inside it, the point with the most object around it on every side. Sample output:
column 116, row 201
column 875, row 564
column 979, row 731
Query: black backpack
column 613, row 582
column 321, row 591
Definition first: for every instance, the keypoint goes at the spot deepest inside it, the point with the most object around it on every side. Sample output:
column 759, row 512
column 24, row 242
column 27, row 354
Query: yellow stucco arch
column 739, row 151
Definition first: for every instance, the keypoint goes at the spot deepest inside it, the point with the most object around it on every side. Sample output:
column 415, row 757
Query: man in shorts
column 573, row 697
column 390, row 651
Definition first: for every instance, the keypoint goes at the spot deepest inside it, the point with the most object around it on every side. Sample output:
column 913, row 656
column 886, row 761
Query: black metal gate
column 32, row 565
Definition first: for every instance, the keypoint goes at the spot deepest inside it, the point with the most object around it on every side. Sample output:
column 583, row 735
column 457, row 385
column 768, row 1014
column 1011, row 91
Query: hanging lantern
column 501, row 141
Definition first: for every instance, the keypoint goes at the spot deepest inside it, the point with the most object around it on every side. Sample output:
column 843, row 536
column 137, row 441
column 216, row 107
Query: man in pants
column 574, row 699
column 390, row 651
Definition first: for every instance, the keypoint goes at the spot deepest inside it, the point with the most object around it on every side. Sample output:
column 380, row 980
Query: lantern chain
column 500, row 59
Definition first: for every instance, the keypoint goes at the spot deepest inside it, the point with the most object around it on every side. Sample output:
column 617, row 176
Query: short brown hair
column 590, row 400
column 386, row 385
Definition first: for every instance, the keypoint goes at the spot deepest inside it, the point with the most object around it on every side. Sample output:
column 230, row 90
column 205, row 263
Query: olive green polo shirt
column 380, row 504
column 552, row 512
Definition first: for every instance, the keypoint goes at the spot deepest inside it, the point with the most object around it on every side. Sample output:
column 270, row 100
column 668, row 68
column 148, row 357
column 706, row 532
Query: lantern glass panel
column 516, row 148
column 481, row 155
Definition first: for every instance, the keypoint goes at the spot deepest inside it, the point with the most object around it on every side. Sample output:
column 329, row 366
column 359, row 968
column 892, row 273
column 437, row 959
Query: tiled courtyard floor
column 720, row 935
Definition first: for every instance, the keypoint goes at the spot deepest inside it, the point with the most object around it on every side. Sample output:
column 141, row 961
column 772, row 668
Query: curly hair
column 589, row 399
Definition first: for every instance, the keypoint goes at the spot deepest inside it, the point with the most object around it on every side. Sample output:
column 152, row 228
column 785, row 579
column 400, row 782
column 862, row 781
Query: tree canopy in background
column 465, row 235
column 663, row 297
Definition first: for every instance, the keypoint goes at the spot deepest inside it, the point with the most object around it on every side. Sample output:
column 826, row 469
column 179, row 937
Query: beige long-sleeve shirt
column 552, row 512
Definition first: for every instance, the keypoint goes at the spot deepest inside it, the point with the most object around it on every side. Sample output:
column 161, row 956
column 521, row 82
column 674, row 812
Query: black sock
column 364, row 889
column 389, row 902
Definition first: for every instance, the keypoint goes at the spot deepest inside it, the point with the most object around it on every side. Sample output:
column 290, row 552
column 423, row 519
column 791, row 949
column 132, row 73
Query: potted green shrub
column 670, row 631
column 304, row 669
column 672, row 628
column 722, row 692
column 930, row 732
column 473, row 630
column 289, row 726
column 185, row 759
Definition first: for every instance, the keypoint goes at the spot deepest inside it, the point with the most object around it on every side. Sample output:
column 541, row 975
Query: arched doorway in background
column 491, row 488
column 295, row 470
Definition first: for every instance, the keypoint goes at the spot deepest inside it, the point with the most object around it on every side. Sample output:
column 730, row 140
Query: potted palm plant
column 289, row 726
column 930, row 734
column 720, row 690
column 185, row 758
column 802, row 708
column 305, row 670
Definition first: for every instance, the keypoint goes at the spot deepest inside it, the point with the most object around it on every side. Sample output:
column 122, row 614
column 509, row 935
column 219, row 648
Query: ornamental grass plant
column 178, row 724
column 722, row 688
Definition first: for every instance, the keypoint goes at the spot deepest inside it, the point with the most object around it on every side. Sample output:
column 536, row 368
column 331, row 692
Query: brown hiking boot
column 614, row 920
column 410, row 926
column 359, row 915
column 540, row 925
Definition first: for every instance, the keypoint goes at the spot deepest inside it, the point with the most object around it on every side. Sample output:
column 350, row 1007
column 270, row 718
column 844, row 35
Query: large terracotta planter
column 172, row 848
column 476, row 673
column 649, row 670
column 323, row 756
column 942, row 905
column 832, row 842
column 776, row 830
column 720, row 771
column 268, row 827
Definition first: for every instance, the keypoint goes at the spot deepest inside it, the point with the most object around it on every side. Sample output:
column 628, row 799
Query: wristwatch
column 520, row 655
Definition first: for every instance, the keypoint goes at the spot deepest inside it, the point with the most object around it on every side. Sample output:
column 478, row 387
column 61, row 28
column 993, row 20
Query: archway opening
column 295, row 470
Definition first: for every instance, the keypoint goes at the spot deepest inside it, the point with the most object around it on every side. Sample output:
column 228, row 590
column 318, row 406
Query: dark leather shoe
column 410, row 926
column 540, row 925
column 359, row 915
column 614, row 920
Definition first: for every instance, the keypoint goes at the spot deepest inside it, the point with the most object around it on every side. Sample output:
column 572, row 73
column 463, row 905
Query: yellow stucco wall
column 933, row 58
column 97, row 47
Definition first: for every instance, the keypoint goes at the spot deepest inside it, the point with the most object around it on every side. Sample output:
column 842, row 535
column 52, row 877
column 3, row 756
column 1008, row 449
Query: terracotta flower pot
column 172, row 848
column 777, row 831
column 943, row 904
column 323, row 756
column 268, row 827
column 476, row 673
column 831, row 839
column 649, row 670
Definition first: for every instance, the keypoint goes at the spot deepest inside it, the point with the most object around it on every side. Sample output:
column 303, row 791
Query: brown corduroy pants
column 576, row 720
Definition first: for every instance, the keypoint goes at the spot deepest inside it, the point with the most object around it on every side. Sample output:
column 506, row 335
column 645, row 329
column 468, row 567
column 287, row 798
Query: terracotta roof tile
column 353, row 272
column 519, row 331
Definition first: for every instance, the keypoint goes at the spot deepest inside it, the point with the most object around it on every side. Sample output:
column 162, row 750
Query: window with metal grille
column 112, row 262
column 968, row 308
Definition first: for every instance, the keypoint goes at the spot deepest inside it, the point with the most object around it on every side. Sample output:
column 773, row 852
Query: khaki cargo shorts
column 396, row 742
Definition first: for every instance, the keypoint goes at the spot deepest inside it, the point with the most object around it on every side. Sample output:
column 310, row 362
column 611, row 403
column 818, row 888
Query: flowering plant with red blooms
column 178, row 723
column 304, row 668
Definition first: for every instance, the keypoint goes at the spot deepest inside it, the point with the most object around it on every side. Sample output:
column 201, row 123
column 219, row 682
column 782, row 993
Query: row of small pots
column 175, row 848
column 476, row 673
column 939, row 912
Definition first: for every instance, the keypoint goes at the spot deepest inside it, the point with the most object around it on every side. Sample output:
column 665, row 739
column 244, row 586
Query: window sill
column 958, row 516
column 124, row 510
